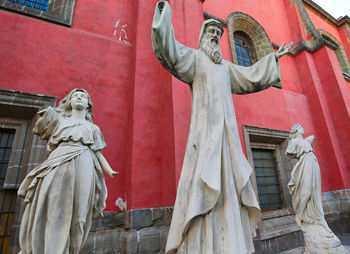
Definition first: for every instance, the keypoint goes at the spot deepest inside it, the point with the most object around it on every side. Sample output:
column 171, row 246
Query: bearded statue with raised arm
column 216, row 209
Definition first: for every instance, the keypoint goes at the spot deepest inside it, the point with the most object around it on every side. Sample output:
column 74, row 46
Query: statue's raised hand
column 284, row 50
column 161, row 5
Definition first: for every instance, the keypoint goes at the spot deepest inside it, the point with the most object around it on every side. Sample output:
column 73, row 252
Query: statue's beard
column 212, row 50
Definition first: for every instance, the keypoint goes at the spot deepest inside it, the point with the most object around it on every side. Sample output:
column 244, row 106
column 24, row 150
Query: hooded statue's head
column 209, row 38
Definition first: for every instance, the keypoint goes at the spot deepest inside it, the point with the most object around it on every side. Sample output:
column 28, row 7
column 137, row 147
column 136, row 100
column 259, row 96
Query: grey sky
column 336, row 8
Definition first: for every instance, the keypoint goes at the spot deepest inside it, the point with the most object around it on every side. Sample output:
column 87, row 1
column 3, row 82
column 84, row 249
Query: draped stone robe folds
column 216, row 208
column 305, row 187
column 66, row 191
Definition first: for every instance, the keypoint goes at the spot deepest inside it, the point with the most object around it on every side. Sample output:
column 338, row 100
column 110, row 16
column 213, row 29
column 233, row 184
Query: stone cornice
column 209, row 16
column 337, row 22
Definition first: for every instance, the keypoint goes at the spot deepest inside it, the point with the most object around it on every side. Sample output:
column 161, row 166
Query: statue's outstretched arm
column 105, row 165
column 284, row 49
column 310, row 139
column 178, row 59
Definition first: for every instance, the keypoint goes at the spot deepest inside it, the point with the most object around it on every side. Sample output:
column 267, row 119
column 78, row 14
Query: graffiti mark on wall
column 120, row 32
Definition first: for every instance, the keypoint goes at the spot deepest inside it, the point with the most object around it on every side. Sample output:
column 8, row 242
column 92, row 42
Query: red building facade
column 144, row 112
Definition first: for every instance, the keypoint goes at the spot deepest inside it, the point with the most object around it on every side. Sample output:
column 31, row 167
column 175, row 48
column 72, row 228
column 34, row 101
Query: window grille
column 6, row 141
column 57, row 11
column 244, row 49
column 37, row 4
column 7, row 197
column 267, row 180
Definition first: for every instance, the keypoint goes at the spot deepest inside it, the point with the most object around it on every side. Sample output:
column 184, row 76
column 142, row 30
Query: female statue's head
column 65, row 106
column 297, row 130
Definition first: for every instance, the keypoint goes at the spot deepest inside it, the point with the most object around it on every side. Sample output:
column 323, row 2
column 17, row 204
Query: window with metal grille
column 7, row 197
column 37, row 4
column 267, row 180
column 244, row 49
column 58, row 11
column 6, row 141
column 7, row 210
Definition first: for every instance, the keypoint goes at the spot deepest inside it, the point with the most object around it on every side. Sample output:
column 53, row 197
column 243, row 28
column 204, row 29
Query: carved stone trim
column 209, row 16
column 18, row 110
column 17, row 152
column 238, row 21
column 339, row 50
column 274, row 223
column 338, row 22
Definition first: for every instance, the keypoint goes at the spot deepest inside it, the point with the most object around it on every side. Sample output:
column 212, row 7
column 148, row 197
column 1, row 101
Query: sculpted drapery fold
column 66, row 191
column 305, row 188
column 214, row 181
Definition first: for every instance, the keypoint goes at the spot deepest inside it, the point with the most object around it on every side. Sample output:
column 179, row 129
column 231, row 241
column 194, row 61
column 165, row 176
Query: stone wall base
column 146, row 230
column 133, row 231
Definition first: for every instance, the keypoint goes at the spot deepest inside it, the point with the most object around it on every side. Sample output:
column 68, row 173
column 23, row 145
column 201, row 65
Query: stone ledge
column 336, row 201
column 133, row 219
column 145, row 240
column 279, row 226
column 132, row 231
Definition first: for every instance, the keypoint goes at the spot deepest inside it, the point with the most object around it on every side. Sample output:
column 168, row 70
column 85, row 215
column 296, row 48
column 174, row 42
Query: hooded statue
column 216, row 209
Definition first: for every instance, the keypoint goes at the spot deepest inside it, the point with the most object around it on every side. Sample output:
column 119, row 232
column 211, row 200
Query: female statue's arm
column 104, row 164
column 311, row 140
column 46, row 123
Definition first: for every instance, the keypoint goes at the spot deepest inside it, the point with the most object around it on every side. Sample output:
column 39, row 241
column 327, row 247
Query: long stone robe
column 305, row 188
column 216, row 208
column 66, row 191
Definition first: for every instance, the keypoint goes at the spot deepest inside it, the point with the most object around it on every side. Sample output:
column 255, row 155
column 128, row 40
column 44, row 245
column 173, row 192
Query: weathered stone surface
column 89, row 245
column 113, row 219
column 107, row 241
column 149, row 240
column 96, row 225
column 280, row 243
column 129, row 242
column 338, row 200
column 157, row 213
column 164, row 231
column 162, row 217
column 136, row 219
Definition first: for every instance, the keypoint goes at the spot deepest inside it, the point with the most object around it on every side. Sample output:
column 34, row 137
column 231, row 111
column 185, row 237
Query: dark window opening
column 267, row 180
column 6, row 141
column 7, row 197
column 244, row 49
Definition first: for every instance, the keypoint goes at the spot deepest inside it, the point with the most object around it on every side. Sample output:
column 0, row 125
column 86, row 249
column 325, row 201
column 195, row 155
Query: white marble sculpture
column 216, row 208
column 305, row 187
column 67, row 190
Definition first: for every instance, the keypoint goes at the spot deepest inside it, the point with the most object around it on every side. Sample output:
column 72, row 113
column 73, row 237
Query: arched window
column 339, row 51
column 244, row 49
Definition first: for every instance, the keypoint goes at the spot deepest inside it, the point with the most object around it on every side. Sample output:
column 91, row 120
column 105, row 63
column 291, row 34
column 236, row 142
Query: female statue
column 305, row 187
column 68, row 189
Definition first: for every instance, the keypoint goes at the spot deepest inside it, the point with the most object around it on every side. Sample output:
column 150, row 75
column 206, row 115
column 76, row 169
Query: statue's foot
column 319, row 239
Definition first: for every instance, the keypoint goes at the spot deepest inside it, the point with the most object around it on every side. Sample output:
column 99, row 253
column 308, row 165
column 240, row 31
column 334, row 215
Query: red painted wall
column 144, row 112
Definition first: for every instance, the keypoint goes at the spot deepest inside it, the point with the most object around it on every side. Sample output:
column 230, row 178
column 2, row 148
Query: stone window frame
column 58, row 11
column 239, row 21
column 339, row 51
column 278, row 222
column 18, row 111
column 21, row 128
